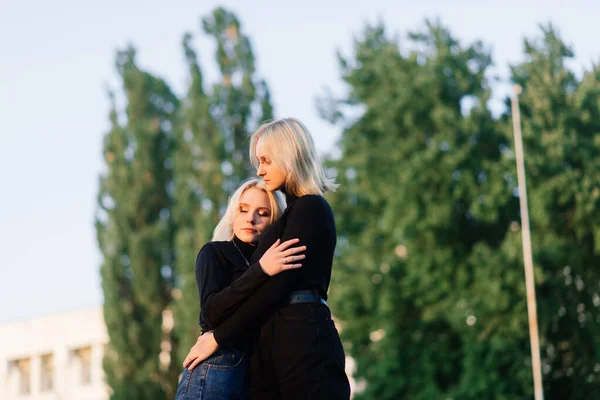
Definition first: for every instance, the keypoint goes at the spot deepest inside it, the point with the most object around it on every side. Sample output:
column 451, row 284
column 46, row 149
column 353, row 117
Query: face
column 273, row 176
column 253, row 217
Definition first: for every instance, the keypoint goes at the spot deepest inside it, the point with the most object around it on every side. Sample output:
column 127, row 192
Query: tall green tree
column 212, row 152
column 135, row 234
column 422, row 189
column 429, row 282
column 199, row 190
column 239, row 90
column 561, row 133
column 170, row 170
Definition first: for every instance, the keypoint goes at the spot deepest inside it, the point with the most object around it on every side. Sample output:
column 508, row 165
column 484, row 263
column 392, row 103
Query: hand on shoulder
column 282, row 257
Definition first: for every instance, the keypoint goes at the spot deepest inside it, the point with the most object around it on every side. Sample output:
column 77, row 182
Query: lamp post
column 527, row 257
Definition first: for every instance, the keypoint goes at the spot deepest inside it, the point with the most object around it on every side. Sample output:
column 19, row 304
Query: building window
column 83, row 356
column 47, row 373
column 24, row 370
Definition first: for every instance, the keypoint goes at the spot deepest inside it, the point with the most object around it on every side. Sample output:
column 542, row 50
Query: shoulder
column 222, row 246
column 213, row 250
column 313, row 202
column 311, row 205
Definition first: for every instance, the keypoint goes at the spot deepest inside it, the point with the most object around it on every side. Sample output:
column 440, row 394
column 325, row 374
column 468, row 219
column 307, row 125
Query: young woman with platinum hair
column 297, row 352
column 221, row 275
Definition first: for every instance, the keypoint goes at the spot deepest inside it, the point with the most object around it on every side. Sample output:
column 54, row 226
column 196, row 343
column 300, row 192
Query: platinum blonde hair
column 291, row 148
column 224, row 229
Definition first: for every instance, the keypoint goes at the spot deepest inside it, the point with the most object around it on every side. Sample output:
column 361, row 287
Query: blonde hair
column 291, row 148
column 224, row 229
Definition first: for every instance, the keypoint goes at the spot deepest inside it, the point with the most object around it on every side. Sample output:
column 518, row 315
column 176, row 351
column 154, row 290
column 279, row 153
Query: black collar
column 289, row 198
column 246, row 248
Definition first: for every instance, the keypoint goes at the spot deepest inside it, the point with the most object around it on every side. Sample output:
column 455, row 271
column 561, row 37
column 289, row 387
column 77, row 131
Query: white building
column 59, row 357
column 56, row 357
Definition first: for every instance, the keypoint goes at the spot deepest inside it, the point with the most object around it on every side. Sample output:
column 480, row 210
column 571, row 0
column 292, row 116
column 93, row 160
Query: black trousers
column 298, row 355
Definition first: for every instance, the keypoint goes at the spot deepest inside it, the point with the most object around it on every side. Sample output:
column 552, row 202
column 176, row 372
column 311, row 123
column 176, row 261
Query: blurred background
column 124, row 130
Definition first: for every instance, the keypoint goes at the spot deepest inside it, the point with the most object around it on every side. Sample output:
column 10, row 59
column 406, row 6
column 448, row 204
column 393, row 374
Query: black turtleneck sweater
column 308, row 218
column 218, row 267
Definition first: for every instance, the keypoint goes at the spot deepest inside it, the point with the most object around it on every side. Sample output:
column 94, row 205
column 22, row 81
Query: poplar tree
column 212, row 151
column 135, row 234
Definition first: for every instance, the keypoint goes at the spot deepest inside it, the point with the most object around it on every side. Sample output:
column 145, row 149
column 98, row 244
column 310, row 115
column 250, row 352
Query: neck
column 289, row 197
column 246, row 248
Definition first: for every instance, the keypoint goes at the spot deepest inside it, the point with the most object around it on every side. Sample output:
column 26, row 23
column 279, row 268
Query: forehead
column 255, row 198
column 262, row 148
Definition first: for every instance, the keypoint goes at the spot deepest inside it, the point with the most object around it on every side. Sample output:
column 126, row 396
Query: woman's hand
column 280, row 257
column 205, row 347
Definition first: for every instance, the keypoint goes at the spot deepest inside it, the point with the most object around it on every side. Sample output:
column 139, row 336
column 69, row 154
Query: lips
column 249, row 230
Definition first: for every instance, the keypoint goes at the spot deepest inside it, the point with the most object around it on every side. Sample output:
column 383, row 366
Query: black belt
column 305, row 296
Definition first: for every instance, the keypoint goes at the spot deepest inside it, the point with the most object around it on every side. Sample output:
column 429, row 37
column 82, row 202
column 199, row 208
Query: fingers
column 188, row 359
column 195, row 363
column 293, row 250
column 286, row 264
column 275, row 244
column 285, row 267
column 290, row 259
column 287, row 243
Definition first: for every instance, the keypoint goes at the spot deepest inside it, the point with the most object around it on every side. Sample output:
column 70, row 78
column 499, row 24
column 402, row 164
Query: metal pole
column 527, row 257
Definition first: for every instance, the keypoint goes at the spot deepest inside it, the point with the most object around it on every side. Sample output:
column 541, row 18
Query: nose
column 260, row 171
column 250, row 217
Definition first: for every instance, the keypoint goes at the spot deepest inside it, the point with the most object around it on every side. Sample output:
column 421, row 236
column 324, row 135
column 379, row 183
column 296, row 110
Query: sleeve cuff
column 217, row 336
column 257, row 272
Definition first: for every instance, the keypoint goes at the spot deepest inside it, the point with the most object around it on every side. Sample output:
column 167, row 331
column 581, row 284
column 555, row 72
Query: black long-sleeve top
column 308, row 218
column 218, row 267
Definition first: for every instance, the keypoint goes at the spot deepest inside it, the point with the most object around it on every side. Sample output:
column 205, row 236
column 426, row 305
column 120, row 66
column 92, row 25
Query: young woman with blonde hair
column 298, row 353
column 224, row 280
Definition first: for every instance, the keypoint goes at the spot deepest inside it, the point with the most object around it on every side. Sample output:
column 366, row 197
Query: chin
column 247, row 237
column 273, row 188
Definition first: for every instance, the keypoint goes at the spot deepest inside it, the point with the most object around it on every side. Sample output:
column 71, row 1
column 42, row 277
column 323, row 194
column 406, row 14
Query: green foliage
column 170, row 166
column 135, row 234
column 561, row 133
column 212, row 153
column 429, row 282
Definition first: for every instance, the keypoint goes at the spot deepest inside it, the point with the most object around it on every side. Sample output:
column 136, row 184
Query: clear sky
column 56, row 58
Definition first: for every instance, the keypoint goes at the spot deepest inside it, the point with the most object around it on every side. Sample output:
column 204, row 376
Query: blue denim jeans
column 223, row 376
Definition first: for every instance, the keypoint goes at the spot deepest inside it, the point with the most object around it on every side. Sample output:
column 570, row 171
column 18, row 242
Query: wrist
column 263, row 268
column 215, row 339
